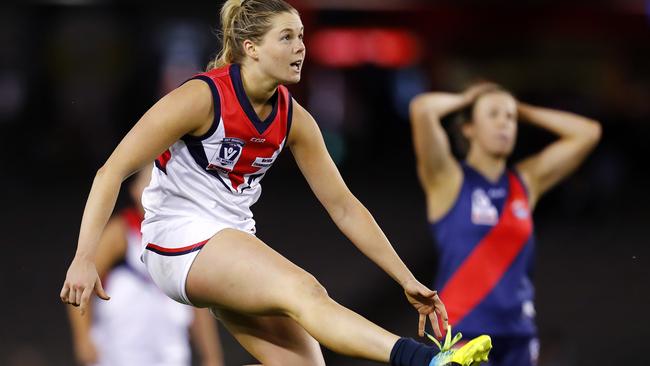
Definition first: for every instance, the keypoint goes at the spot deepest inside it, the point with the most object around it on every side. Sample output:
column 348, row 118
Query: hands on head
column 479, row 88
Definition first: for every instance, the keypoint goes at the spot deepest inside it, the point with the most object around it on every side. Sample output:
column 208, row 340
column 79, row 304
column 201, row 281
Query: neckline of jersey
column 498, row 182
column 244, row 102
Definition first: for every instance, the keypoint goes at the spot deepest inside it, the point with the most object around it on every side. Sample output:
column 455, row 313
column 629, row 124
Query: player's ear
column 250, row 48
column 467, row 129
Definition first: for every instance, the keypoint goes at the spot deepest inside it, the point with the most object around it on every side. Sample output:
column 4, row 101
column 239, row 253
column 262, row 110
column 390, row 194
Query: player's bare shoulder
column 195, row 102
column 302, row 123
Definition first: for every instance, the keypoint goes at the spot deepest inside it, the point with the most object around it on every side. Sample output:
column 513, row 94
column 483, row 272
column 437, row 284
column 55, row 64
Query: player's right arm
column 438, row 171
column 111, row 249
column 186, row 110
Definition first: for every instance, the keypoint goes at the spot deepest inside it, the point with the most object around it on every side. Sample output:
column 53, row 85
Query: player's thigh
column 273, row 340
column 237, row 271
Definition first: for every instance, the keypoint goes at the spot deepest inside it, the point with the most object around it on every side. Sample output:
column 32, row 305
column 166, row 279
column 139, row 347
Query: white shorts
column 169, row 272
column 170, row 247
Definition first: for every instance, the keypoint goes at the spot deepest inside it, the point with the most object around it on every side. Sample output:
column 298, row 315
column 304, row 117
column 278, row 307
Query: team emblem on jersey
column 483, row 211
column 227, row 154
column 519, row 209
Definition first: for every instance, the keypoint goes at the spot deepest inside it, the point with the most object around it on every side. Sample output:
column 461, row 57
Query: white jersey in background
column 139, row 325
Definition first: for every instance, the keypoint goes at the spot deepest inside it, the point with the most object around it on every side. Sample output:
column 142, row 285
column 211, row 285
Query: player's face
column 282, row 51
column 494, row 124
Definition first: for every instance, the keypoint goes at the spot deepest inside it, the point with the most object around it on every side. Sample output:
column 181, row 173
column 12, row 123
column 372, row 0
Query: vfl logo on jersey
column 520, row 210
column 227, row 155
column 483, row 211
column 263, row 162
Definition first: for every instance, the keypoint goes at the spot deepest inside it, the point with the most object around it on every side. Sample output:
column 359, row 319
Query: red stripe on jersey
column 237, row 118
column 236, row 179
column 273, row 137
column 163, row 159
column 487, row 263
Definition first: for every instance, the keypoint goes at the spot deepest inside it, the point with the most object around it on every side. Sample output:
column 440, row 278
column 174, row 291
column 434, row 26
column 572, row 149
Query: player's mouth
column 296, row 65
column 503, row 137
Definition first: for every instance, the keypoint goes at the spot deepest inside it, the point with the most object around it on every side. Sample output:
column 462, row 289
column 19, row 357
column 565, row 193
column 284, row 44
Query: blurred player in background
column 140, row 326
column 480, row 209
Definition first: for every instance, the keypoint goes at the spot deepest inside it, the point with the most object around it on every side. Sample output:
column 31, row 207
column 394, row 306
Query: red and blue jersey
column 485, row 244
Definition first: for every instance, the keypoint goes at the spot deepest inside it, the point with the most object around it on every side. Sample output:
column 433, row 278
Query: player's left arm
column 354, row 220
column 351, row 217
column 205, row 336
column 578, row 136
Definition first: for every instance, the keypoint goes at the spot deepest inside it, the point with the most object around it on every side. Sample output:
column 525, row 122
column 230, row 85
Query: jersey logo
column 496, row 193
column 263, row 162
column 528, row 309
column 227, row 154
column 257, row 139
column 483, row 211
column 519, row 209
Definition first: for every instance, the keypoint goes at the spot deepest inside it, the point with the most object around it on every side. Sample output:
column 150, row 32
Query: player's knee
column 309, row 288
column 303, row 294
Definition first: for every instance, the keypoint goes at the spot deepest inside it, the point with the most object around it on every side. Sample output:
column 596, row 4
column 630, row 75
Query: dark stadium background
column 76, row 74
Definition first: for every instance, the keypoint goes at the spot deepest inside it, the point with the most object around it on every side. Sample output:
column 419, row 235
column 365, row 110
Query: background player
column 216, row 136
column 480, row 208
column 140, row 325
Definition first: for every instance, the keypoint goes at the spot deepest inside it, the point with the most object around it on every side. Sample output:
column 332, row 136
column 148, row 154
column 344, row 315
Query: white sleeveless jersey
column 201, row 185
column 139, row 325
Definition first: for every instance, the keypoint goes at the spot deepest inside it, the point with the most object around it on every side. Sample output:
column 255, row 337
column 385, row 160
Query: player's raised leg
column 254, row 279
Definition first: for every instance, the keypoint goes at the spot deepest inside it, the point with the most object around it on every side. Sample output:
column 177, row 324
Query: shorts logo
column 227, row 155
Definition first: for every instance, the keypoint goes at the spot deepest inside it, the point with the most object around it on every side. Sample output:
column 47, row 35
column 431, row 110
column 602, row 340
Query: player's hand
column 470, row 94
column 85, row 351
column 80, row 281
column 428, row 304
